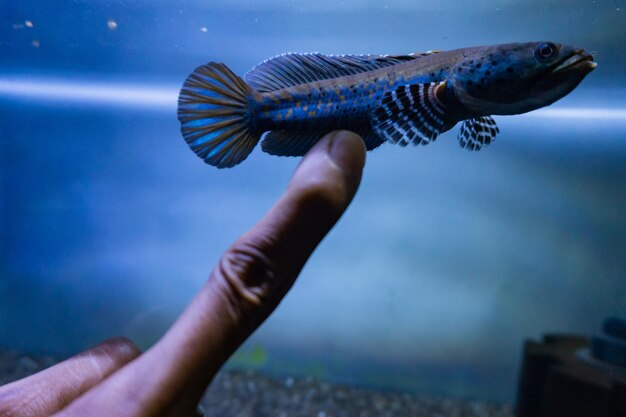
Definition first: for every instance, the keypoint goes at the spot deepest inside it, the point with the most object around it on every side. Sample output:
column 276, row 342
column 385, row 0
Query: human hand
column 114, row 379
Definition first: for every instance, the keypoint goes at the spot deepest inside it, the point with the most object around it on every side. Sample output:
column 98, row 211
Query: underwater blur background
column 445, row 262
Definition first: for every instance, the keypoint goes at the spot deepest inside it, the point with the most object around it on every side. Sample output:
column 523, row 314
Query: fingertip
column 119, row 349
column 347, row 150
column 122, row 346
column 331, row 171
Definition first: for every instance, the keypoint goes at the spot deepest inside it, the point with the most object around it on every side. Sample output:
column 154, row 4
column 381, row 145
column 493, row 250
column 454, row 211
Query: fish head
column 517, row 78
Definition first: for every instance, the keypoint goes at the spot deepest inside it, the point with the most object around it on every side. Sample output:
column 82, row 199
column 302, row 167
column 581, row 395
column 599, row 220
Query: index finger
column 249, row 281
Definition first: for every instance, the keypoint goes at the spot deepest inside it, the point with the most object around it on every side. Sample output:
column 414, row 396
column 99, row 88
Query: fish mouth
column 577, row 60
column 562, row 77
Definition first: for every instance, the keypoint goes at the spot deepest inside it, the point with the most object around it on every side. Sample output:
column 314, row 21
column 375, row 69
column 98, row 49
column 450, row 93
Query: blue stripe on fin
column 213, row 115
column 293, row 69
column 410, row 114
column 478, row 132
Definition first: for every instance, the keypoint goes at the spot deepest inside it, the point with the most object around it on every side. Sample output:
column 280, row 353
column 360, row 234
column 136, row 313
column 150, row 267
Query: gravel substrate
column 250, row 394
column 14, row 365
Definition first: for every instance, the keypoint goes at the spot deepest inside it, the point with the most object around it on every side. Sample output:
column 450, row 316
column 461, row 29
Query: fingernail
column 121, row 346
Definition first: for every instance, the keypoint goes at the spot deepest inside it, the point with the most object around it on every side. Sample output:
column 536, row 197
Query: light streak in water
column 165, row 97
column 103, row 93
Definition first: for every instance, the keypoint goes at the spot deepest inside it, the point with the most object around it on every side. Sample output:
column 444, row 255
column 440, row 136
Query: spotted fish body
column 354, row 102
column 404, row 99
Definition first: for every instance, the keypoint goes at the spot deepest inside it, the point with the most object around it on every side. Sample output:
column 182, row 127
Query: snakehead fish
column 400, row 99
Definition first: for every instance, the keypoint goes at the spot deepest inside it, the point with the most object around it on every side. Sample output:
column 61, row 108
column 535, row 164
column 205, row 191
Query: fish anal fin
column 289, row 142
column 298, row 142
column 477, row 132
column 292, row 69
column 372, row 140
column 410, row 114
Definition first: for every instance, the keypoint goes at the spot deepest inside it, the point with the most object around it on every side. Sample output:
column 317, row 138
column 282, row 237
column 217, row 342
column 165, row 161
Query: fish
column 292, row 100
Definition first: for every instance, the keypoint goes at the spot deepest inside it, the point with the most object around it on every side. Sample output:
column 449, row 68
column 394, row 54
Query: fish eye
column 546, row 51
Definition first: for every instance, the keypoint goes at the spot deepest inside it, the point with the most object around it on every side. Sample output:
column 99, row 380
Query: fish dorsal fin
column 410, row 114
column 293, row 69
column 478, row 132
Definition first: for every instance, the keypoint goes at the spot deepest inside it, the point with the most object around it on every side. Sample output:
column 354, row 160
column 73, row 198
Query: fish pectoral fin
column 478, row 132
column 410, row 114
column 298, row 142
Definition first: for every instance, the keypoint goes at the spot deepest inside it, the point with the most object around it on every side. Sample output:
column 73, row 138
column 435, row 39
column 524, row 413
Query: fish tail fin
column 214, row 115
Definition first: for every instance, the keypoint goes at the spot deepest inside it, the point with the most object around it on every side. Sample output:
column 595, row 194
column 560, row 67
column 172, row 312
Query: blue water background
column 445, row 262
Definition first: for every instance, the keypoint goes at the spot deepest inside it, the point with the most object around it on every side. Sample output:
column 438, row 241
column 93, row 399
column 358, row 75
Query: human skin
column 254, row 274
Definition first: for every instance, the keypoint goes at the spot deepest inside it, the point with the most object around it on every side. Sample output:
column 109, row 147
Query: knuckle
column 246, row 277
